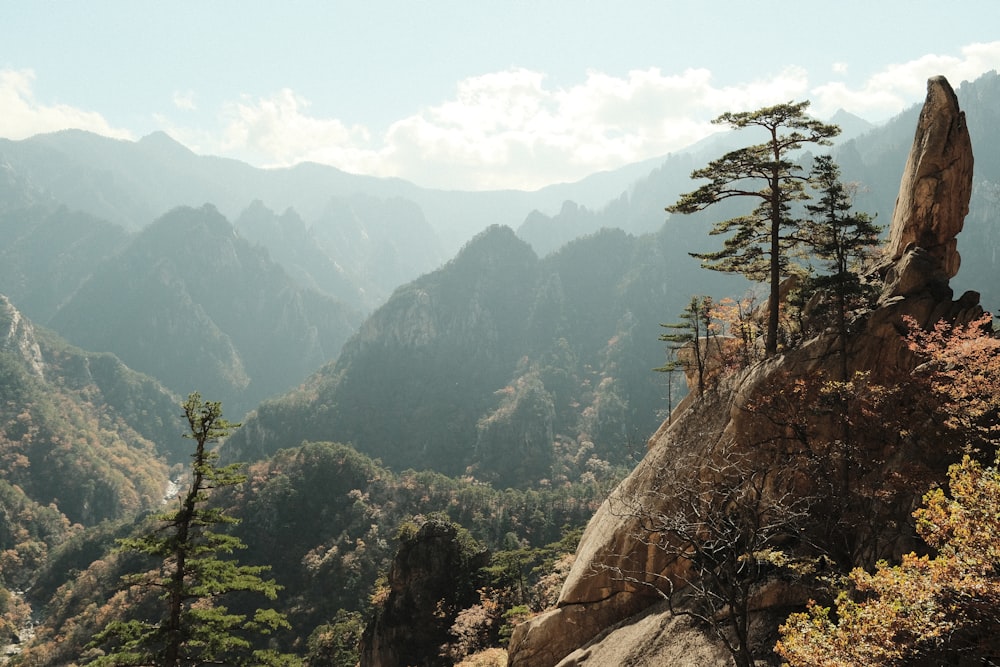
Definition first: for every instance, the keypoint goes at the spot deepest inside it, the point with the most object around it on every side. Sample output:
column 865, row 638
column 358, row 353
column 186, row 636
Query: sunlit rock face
column 935, row 190
column 919, row 259
column 18, row 335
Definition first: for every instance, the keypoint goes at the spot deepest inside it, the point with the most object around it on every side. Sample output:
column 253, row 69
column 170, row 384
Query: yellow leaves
column 967, row 525
column 924, row 605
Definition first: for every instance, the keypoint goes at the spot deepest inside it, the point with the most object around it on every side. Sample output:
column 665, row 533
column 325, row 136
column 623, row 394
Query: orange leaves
column 964, row 364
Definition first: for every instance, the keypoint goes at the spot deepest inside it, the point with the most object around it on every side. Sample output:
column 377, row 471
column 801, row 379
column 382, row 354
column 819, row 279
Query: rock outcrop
column 921, row 256
column 933, row 195
column 17, row 335
column 432, row 576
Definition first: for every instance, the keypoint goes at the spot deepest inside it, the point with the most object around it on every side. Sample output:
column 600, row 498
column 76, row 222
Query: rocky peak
column 933, row 196
column 432, row 576
column 598, row 604
column 17, row 335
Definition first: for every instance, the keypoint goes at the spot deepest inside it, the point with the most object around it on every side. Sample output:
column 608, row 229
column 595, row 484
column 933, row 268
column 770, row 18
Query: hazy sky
column 472, row 93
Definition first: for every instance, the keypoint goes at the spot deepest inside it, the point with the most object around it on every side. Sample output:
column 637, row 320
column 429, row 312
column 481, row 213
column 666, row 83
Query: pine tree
column 761, row 241
column 689, row 334
column 843, row 240
column 194, row 573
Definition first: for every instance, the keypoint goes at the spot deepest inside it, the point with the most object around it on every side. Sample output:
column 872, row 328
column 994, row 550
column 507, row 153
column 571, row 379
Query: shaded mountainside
column 357, row 250
column 191, row 303
column 47, row 252
column 495, row 358
column 292, row 245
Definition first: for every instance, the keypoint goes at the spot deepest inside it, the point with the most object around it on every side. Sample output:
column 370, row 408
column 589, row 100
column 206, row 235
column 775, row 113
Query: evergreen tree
column 689, row 334
column 760, row 241
column 193, row 573
column 843, row 239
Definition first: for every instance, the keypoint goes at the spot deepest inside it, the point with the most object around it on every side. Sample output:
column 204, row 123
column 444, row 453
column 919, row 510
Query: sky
column 469, row 94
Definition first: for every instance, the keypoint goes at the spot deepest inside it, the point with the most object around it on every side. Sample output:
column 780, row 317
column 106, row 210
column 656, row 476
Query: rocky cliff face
column 937, row 182
column 17, row 335
column 616, row 558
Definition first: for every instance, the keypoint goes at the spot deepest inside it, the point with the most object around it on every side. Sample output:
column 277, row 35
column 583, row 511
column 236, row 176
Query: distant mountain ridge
column 133, row 183
column 500, row 364
column 190, row 302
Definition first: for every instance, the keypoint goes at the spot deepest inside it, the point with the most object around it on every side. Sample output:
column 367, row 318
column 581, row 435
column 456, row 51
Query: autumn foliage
column 944, row 607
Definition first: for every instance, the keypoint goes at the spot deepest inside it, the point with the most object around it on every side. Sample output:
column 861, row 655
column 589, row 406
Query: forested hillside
column 502, row 365
column 190, row 301
column 327, row 520
column 83, row 439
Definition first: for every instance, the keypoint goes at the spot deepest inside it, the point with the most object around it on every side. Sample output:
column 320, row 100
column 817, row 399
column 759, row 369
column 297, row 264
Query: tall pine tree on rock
column 761, row 240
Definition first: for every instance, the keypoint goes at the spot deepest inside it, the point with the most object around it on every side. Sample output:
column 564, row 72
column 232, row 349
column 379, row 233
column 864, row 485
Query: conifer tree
column 843, row 240
column 759, row 243
column 193, row 573
column 689, row 334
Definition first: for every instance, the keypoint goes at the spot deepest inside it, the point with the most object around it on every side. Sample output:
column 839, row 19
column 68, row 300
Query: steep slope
column 620, row 565
column 501, row 365
column 358, row 250
column 46, row 253
column 79, row 433
column 412, row 378
column 191, row 303
column 291, row 244
column 381, row 243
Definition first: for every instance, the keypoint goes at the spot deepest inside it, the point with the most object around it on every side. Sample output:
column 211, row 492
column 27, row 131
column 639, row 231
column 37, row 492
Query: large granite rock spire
column 597, row 604
column 933, row 196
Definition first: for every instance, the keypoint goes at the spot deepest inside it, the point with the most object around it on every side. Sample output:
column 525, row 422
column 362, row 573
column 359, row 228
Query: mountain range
column 504, row 339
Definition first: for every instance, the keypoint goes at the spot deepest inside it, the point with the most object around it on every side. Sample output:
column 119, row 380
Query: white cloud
column 24, row 116
column 511, row 129
column 184, row 100
column 899, row 85
column 505, row 129
column 278, row 131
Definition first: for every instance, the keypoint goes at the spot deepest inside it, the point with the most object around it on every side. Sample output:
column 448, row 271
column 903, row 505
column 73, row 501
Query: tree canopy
column 760, row 242
column 936, row 609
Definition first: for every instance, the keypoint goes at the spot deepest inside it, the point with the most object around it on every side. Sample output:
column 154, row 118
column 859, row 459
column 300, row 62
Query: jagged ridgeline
column 499, row 363
column 186, row 300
